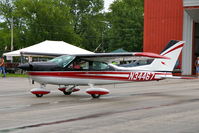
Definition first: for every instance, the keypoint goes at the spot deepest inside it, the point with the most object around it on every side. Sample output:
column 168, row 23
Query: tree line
column 79, row 22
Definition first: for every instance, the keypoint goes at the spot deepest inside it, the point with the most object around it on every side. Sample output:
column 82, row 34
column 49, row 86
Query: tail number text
column 141, row 76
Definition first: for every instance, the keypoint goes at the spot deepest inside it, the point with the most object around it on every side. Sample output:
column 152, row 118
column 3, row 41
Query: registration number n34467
column 141, row 76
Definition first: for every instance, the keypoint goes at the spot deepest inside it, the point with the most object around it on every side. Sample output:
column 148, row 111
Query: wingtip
column 151, row 55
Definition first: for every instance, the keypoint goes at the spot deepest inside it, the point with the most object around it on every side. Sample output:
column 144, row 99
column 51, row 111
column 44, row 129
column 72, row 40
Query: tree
column 79, row 22
column 5, row 26
column 126, row 29
column 87, row 17
column 41, row 20
column 74, row 21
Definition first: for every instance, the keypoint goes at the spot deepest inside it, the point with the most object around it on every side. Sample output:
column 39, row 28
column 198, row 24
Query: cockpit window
column 143, row 62
column 85, row 65
column 79, row 65
column 138, row 63
column 99, row 66
column 63, row 61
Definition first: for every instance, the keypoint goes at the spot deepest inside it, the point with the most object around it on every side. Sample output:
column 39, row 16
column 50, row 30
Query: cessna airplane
column 69, row 71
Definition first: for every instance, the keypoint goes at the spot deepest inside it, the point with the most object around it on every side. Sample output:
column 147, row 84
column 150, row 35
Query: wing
column 108, row 57
column 38, row 54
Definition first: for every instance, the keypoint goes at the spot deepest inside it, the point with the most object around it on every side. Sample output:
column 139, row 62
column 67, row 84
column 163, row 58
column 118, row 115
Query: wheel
column 67, row 93
column 95, row 95
column 39, row 95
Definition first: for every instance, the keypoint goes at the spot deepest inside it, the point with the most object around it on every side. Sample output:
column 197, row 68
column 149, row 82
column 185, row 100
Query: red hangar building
column 166, row 20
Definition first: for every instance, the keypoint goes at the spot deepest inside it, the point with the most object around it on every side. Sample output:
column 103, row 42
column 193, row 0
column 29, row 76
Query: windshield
column 63, row 61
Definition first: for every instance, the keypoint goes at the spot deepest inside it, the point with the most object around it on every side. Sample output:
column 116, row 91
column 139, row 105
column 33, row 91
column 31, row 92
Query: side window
column 84, row 65
column 79, row 65
column 99, row 66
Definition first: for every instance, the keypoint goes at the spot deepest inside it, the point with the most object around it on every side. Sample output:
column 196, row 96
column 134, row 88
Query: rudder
column 172, row 50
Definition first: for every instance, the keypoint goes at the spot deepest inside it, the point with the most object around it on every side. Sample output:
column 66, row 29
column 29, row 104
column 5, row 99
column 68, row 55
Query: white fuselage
column 95, row 77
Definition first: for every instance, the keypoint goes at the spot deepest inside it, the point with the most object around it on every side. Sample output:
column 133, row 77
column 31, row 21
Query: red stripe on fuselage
column 88, row 75
column 125, row 76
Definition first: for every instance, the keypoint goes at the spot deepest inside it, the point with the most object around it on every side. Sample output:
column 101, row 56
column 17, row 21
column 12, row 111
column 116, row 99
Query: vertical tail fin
column 172, row 50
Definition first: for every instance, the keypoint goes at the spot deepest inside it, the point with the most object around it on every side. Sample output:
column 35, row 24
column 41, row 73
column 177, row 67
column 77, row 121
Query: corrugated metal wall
column 163, row 21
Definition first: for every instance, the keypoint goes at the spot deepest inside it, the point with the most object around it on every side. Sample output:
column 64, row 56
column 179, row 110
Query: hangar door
column 191, row 36
column 195, row 44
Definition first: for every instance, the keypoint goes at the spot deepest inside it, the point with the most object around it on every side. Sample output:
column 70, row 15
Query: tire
column 39, row 95
column 67, row 93
column 95, row 95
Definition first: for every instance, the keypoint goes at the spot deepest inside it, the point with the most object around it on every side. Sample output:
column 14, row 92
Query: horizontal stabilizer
column 181, row 77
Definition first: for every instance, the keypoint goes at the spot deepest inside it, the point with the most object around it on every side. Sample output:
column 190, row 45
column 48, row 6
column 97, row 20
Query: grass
column 15, row 75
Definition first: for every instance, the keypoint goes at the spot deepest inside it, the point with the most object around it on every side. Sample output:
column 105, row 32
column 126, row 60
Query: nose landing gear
column 39, row 92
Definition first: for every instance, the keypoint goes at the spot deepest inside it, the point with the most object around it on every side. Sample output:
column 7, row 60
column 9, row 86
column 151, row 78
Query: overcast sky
column 107, row 3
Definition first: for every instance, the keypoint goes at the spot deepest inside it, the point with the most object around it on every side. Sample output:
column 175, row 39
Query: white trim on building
column 191, row 13
column 190, row 3
column 187, row 50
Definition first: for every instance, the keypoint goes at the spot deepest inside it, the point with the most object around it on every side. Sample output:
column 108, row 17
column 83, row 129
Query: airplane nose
column 40, row 66
column 26, row 66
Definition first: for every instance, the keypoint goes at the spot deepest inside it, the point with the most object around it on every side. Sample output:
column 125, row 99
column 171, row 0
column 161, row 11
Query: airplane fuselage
column 99, row 69
column 94, row 77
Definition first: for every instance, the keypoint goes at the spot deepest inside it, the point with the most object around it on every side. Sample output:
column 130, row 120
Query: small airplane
column 70, row 71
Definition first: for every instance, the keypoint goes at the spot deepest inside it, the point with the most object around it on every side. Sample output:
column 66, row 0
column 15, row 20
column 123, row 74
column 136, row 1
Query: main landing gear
column 93, row 91
column 69, row 90
column 96, row 92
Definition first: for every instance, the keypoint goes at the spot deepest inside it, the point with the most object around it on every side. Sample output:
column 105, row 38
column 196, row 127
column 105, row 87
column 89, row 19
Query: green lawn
column 15, row 75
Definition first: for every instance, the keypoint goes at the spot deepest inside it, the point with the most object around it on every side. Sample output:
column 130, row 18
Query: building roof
column 50, row 47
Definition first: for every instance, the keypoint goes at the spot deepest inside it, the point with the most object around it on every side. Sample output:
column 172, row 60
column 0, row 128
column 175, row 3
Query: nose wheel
column 39, row 92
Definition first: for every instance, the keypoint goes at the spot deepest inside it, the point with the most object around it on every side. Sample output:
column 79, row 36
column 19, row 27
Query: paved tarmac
column 167, row 106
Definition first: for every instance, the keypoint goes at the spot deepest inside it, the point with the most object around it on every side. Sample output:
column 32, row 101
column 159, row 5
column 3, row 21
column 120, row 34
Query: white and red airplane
column 97, row 69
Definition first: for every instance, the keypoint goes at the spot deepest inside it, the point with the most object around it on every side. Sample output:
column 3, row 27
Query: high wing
column 107, row 57
column 40, row 54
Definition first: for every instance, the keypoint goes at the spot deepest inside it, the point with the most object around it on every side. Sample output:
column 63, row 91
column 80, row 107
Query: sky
column 106, row 4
